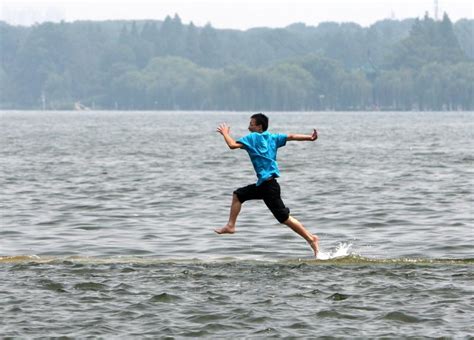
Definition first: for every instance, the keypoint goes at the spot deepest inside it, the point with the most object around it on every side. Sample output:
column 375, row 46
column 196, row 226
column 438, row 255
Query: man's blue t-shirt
column 262, row 149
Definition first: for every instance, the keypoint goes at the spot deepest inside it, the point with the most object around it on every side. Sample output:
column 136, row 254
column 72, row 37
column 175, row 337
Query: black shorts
column 269, row 191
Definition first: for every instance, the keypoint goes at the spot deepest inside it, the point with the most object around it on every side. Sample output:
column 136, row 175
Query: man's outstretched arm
column 224, row 130
column 297, row 137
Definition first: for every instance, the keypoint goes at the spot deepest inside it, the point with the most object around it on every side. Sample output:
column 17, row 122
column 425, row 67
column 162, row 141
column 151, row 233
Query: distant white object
column 80, row 107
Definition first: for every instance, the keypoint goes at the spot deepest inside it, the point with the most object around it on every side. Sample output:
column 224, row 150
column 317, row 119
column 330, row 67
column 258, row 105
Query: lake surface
column 107, row 218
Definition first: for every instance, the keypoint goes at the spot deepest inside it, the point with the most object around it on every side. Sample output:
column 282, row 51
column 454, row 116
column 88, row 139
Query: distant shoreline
column 412, row 65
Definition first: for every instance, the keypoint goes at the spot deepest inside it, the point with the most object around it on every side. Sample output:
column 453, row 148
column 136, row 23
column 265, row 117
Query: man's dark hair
column 261, row 119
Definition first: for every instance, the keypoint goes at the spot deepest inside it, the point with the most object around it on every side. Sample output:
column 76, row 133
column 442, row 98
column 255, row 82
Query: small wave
column 165, row 298
column 401, row 317
column 336, row 258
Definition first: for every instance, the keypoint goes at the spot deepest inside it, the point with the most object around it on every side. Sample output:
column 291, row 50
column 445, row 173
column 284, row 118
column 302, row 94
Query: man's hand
column 223, row 129
column 298, row 137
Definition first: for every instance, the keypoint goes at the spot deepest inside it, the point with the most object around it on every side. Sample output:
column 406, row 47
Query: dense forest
column 415, row 64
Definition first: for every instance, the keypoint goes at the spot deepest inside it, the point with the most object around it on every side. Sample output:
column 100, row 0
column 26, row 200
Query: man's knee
column 282, row 215
column 235, row 198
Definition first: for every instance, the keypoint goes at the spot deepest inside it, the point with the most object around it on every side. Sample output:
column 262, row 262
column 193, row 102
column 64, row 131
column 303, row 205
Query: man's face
column 253, row 127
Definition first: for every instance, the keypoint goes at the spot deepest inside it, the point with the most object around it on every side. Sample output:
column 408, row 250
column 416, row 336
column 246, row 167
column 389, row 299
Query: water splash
column 342, row 250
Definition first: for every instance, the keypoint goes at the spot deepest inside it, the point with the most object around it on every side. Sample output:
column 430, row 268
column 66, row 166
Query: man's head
column 258, row 123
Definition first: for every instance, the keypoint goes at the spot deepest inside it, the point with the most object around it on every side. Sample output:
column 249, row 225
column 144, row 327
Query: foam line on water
column 338, row 257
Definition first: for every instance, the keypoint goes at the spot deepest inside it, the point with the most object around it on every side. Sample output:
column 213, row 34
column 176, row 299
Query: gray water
column 107, row 218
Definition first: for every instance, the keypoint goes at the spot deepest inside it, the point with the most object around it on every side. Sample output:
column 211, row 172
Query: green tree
column 287, row 87
column 464, row 30
column 429, row 42
column 395, row 90
column 128, row 90
column 172, row 36
column 354, row 91
column 46, row 50
column 176, row 83
column 58, row 88
column 192, row 43
column 208, row 47
column 326, row 74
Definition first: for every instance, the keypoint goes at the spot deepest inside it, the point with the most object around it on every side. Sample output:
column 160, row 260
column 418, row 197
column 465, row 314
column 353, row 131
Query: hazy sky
column 240, row 14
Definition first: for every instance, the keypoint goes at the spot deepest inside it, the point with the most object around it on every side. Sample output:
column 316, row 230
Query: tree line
column 415, row 64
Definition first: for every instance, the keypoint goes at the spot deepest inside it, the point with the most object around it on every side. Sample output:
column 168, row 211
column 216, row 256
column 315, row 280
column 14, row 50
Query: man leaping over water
column 262, row 148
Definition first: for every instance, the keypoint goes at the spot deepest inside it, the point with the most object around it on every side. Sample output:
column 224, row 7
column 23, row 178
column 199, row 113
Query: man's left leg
column 298, row 228
column 272, row 199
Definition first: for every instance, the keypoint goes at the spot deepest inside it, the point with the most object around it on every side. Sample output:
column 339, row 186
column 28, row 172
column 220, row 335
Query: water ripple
column 107, row 227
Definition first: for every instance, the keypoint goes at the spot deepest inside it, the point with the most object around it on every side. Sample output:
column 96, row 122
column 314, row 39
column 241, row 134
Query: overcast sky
column 239, row 14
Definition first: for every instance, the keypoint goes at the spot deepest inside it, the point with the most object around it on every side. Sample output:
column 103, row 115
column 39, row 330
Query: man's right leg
column 250, row 192
column 235, row 207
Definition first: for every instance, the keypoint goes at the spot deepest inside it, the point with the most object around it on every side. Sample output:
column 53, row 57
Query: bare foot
column 226, row 230
column 315, row 244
